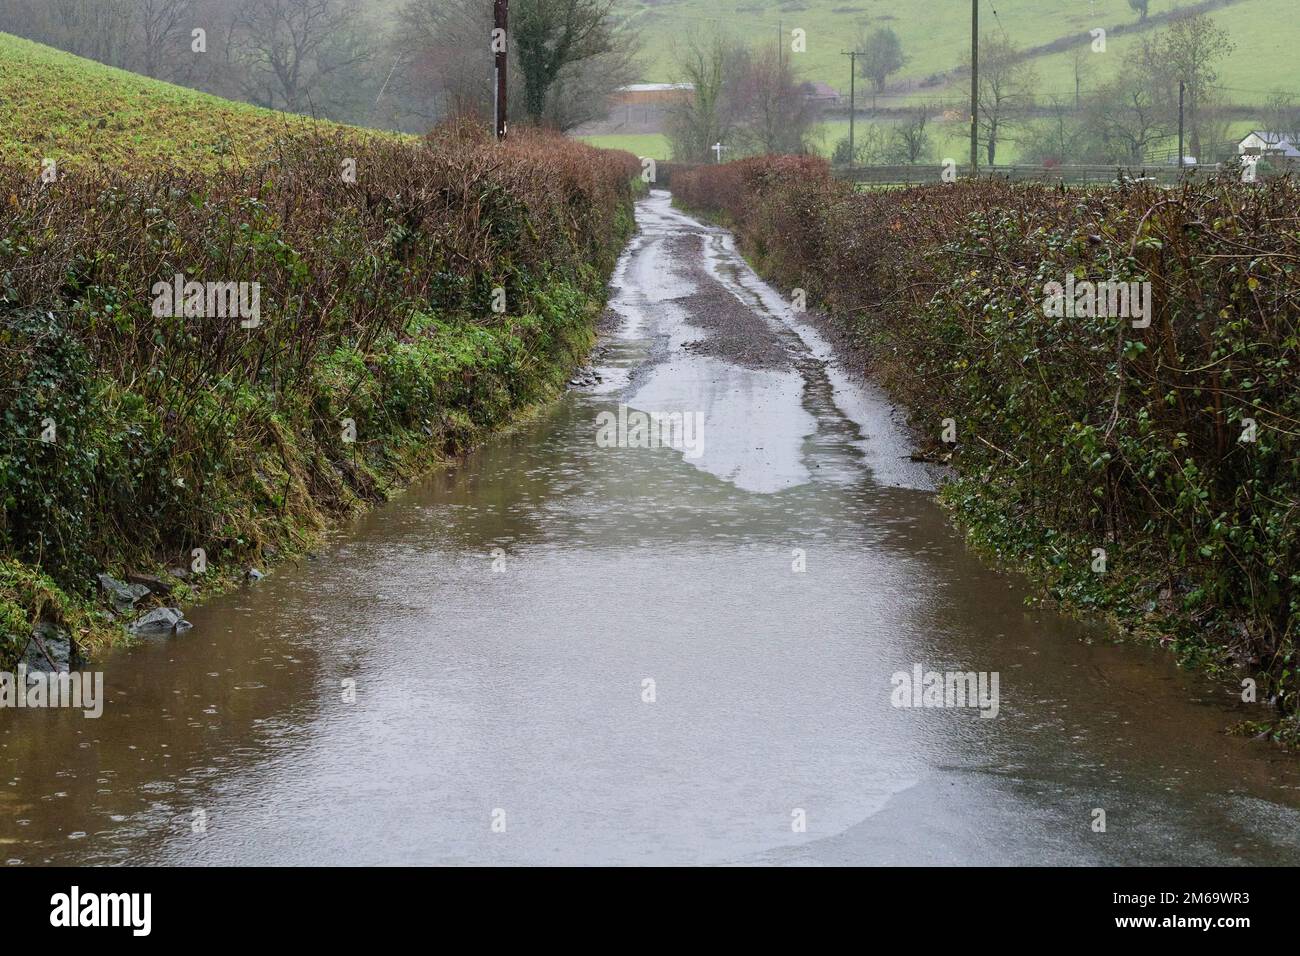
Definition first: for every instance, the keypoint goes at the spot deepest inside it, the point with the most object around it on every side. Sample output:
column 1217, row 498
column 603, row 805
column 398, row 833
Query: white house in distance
column 1261, row 143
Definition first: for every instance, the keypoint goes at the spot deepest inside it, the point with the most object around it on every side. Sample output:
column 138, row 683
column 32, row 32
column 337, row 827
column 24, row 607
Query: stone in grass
column 124, row 596
column 162, row 620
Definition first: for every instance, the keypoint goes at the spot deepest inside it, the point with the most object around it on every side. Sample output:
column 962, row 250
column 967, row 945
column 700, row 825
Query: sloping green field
column 1265, row 33
column 75, row 111
column 935, row 33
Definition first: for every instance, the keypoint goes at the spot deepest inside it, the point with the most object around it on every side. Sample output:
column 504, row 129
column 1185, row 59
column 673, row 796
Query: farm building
column 653, row 94
column 642, row 107
column 821, row 94
column 1261, row 143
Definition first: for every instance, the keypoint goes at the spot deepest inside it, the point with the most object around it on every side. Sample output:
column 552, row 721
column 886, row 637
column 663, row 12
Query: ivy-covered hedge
column 1173, row 448
column 414, row 304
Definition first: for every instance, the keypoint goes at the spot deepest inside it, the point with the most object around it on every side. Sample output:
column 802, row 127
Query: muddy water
column 516, row 696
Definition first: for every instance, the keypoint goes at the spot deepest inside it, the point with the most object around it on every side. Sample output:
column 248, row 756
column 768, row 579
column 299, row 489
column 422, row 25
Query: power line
column 684, row 16
column 1006, row 36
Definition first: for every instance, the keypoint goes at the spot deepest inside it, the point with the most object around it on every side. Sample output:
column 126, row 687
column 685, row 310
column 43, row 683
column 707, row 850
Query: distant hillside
column 935, row 32
column 76, row 111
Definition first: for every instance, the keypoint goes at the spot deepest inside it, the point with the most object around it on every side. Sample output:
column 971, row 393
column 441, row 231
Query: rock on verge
column 124, row 596
column 163, row 620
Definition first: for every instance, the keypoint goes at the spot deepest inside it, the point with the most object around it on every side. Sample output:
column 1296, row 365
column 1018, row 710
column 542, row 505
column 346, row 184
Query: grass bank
column 83, row 114
column 1152, row 474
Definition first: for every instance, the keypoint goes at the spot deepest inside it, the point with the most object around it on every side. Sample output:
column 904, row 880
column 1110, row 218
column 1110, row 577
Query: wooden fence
column 1166, row 174
column 934, row 173
column 927, row 173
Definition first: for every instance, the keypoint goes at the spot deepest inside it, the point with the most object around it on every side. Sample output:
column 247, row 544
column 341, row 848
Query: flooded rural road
column 563, row 653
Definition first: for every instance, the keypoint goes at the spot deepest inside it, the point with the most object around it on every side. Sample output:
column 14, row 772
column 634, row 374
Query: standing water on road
column 563, row 652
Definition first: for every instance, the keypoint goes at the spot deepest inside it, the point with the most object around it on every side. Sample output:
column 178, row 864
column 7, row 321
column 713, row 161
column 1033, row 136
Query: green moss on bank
column 273, row 477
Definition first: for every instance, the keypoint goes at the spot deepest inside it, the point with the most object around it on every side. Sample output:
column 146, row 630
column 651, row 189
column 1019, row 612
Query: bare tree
column 446, row 54
column 1006, row 85
column 769, row 109
column 292, row 54
column 911, row 137
column 1282, row 116
column 696, row 124
column 1189, row 51
column 25, row 18
column 1127, row 112
column 98, row 29
column 1217, row 142
column 871, row 147
column 1059, row 137
column 285, row 48
column 162, row 27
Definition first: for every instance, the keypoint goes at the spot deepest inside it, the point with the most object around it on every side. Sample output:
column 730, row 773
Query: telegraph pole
column 1182, row 89
column 974, row 86
column 500, row 23
column 853, row 102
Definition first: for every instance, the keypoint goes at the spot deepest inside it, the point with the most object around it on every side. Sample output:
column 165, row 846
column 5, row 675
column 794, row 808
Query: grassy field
column 947, row 140
column 653, row 145
column 58, row 106
column 1261, row 62
column 935, row 40
column 1264, row 60
column 952, row 139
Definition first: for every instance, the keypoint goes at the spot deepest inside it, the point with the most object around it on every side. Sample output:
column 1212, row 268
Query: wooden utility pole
column 500, row 45
column 1182, row 89
column 853, row 101
column 974, row 86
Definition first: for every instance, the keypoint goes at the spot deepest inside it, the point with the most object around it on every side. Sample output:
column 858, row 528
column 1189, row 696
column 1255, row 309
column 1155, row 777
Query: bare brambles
column 1173, row 446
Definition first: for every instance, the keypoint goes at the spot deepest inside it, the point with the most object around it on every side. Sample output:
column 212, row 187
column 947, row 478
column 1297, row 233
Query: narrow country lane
column 569, row 653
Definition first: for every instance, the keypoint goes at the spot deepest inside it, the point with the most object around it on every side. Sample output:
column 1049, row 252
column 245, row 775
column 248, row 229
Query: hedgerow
column 1082, row 433
column 376, row 308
